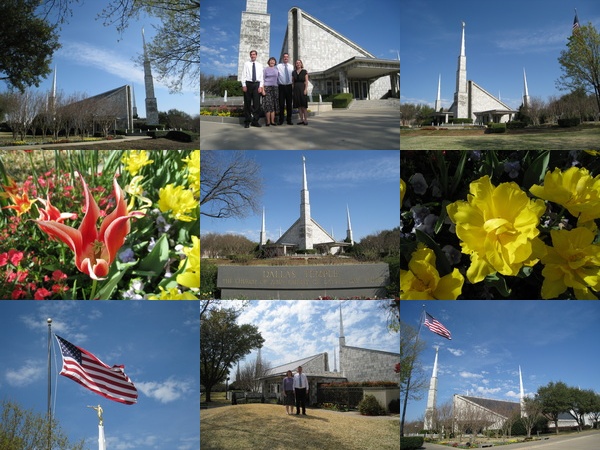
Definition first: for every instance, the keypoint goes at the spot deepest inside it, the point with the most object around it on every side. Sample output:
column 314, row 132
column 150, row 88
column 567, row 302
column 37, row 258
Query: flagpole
column 49, row 320
column 410, row 374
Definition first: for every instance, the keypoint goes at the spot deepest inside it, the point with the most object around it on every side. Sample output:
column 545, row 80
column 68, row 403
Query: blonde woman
column 300, row 90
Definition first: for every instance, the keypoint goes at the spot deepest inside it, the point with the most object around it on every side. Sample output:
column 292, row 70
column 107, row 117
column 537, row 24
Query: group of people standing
column 295, row 391
column 282, row 87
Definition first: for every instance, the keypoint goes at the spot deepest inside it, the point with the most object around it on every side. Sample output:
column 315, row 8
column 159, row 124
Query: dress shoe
column 290, row 123
column 280, row 122
column 257, row 125
column 246, row 125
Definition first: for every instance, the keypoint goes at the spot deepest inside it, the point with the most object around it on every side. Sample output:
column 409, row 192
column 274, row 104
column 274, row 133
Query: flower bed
column 123, row 225
column 500, row 224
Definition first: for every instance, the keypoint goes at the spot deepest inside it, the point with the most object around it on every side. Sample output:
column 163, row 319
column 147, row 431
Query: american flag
column 435, row 326
column 575, row 22
column 84, row 368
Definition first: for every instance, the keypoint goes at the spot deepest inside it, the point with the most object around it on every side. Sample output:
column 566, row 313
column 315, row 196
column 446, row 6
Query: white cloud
column 165, row 391
column 485, row 391
column 465, row 374
column 456, row 352
column 29, row 373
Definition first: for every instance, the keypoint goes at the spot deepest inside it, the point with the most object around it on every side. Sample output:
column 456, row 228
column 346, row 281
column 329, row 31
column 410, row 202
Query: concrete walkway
column 589, row 440
column 354, row 129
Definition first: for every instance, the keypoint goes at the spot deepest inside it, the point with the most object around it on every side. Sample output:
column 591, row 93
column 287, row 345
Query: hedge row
column 566, row 123
column 411, row 442
column 341, row 100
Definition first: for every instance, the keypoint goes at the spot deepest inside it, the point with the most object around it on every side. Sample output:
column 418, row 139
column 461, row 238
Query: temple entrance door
column 365, row 90
column 356, row 89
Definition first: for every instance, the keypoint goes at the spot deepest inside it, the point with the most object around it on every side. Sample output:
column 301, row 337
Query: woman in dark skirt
column 271, row 92
column 288, row 392
column 300, row 91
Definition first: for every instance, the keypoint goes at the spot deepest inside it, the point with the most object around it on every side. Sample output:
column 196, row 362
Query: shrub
column 369, row 406
column 180, row 136
column 515, row 124
column 566, row 123
column 394, row 406
column 461, row 120
column 155, row 134
column 208, row 280
column 496, row 128
column 342, row 100
column 411, row 443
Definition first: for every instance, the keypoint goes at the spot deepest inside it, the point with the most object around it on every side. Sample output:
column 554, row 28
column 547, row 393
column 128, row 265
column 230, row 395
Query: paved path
column 583, row 441
column 375, row 129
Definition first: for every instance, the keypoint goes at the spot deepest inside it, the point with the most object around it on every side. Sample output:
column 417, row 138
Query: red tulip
column 94, row 249
column 51, row 213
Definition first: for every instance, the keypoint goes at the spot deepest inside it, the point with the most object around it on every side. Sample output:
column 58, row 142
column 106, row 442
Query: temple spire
column 349, row 230
column 438, row 100
column 306, row 221
column 526, row 99
column 263, row 233
column 521, row 393
column 151, row 106
column 431, row 397
column 342, row 338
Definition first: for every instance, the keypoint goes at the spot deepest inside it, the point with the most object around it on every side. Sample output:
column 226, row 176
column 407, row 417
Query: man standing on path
column 301, row 389
column 284, row 80
column 252, row 85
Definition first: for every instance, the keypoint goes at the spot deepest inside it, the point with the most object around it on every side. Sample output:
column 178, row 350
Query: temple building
column 472, row 101
column 305, row 233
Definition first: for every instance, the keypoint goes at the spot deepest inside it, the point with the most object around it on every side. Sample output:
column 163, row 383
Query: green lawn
column 576, row 139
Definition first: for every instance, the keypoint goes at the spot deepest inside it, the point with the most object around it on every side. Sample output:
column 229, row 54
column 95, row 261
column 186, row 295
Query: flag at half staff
column 434, row 325
column 84, row 368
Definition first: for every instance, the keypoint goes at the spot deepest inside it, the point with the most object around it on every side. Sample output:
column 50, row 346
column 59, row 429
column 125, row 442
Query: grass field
column 575, row 139
column 268, row 427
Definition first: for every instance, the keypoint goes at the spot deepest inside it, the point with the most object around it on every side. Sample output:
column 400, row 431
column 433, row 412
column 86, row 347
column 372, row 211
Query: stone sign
column 303, row 282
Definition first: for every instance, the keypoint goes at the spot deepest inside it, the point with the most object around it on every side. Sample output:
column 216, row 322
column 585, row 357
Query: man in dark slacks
column 284, row 81
column 301, row 389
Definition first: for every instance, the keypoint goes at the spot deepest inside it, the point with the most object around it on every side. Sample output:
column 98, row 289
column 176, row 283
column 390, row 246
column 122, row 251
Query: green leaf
column 497, row 281
column 459, row 172
column 157, row 258
column 117, row 271
column 536, row 171
column 442, row 218
column 441, row 262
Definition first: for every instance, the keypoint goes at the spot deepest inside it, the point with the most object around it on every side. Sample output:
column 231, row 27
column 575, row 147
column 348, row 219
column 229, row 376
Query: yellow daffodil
column 498, row 228
column 575, row 189
column 178, row 200
column 136, row 190
column 592, row 152
column 423, row 282
column 574, row 262
column 172, row 294
column 402, row 190
column 191, row 275
column 134, row 160
column 193, row 166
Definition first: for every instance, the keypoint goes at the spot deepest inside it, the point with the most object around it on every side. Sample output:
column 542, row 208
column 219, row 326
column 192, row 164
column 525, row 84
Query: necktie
column 253, row 72
column 300, row 378
column 287, row 75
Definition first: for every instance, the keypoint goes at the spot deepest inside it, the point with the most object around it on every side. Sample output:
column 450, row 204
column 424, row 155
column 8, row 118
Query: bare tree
column 251, row 372
column 230, row 184
column 444, row 418
column 533, row 411
column 23, row 107
column 412, row 377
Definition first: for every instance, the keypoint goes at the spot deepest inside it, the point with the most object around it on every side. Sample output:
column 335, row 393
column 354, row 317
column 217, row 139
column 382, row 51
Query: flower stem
column 94, row 286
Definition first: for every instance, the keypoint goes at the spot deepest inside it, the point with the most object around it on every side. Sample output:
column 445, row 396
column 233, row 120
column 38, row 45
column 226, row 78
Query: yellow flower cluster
column 179, row 200
column 191, row 275
column 498, row 228
column 134, row 160
column 172, row 294
column 575, row 189
column 402, row 190
column 423, row 282
column 193, row 166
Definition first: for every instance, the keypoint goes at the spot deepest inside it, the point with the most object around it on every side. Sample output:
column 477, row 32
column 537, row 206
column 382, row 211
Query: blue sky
column 367, row 181
column 373, row 28
column 501, row 40
column 158, row 342
column 295, row 329
column 95, row 58
column 550, row 340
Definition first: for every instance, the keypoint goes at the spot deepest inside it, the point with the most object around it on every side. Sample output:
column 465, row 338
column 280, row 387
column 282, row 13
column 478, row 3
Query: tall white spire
column 349, row 230
column 151, row 106
column 521, row 393
column 438, row 100
column 342, row 337
column 526, row 99
column 461, row 98
column 306, row 222
column 431, row 397
column 263, row 231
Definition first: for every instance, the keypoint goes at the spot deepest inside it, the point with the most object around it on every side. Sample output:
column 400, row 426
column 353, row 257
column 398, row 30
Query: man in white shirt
column 252, row 85
column 284, row 81
column 301, row 389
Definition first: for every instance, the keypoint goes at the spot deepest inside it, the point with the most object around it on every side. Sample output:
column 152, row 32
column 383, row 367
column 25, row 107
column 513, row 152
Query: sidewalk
column 373, row 129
